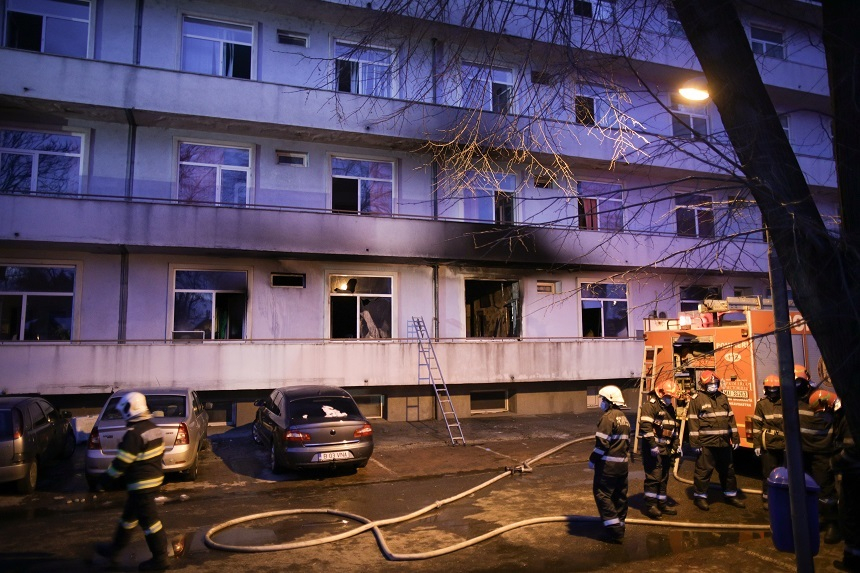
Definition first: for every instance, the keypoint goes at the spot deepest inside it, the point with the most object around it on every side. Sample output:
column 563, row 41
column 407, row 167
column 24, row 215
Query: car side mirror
column 259, row 402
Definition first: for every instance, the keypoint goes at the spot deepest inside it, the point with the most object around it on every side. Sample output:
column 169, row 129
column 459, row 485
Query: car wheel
column 255, row 434
column 27, row 484
column 273, row 460
column 69, row 445
column 192, row 472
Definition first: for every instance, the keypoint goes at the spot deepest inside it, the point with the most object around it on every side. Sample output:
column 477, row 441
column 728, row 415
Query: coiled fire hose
column 375, row 526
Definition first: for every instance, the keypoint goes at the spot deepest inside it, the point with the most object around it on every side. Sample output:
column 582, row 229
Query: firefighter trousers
column 711, row 458
column 657, row 469
column 610, row 495
column 770, row 460
column 818, row 466
column 140, row 509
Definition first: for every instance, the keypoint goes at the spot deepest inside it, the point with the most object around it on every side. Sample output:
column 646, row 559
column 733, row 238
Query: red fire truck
column 735, row 339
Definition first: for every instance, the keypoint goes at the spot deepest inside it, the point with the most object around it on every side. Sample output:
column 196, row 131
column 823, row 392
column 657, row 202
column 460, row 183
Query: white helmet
column 133, row 407
column 612, row 395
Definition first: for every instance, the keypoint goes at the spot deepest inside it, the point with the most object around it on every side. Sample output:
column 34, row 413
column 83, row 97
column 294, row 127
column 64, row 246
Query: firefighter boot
column 110, row 551
column 666, row 510
column 734, row 501
column 157, row 543
column 702, row 503
column 832, row 534
column 653, row 512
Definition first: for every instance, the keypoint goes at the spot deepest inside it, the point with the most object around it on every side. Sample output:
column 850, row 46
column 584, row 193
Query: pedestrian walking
column 714, row 437
column 610, row 462
column 139, row 460
column 768, row 431
column 658, row 432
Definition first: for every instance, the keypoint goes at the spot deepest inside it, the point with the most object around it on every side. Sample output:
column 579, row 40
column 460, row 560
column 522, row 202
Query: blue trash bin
column 779, row 507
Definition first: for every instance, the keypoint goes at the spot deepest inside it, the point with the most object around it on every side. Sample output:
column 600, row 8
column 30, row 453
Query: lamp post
column 696, row 89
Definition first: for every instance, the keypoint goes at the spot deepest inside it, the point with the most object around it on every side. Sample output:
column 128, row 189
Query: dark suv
column 32, row 431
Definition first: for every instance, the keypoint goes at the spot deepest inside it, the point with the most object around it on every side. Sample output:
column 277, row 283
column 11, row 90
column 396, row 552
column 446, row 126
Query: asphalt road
column 412, row 468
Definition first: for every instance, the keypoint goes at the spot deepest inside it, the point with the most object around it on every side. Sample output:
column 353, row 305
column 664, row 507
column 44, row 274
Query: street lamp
column 696, row 89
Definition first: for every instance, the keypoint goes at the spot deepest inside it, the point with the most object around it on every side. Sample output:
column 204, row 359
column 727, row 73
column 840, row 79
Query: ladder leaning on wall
column 429, row 371
column 646, row 384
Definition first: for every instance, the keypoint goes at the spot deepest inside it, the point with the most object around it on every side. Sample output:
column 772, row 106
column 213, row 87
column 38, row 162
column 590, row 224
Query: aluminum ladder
column 429, row 371
column 646, row 384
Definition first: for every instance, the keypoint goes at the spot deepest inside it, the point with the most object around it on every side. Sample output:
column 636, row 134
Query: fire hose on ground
column 375, row 526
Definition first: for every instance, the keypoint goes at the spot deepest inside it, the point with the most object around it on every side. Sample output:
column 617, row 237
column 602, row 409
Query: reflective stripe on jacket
column 712, row 422
column 139, row 456
column 658, row 425
column 612, row 442
column 768, row 429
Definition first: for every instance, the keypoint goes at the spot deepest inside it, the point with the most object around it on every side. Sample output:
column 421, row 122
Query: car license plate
column 329, row 456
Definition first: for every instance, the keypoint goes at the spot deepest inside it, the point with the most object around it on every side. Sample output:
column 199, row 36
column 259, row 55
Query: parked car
column 177, row 411
column 312, row 427
column 32, row 431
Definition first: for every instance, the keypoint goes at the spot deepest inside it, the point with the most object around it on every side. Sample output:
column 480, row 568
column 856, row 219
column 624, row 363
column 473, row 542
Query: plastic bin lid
column 779, row 478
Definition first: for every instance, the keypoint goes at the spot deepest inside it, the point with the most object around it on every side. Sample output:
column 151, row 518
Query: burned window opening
column 493, row 309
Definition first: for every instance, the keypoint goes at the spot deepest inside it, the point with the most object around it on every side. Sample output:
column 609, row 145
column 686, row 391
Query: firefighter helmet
column 801, row 380
column 800, row 371
column 708, row 377
column 822, row 400
column 133, row 407
column 667, row 387
column 771, row 381
column 612, row 394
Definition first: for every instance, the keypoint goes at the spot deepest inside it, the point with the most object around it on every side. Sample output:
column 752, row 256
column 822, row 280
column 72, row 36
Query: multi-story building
column 236, row 196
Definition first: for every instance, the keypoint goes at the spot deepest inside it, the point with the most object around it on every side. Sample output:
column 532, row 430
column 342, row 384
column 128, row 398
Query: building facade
column 236, row 196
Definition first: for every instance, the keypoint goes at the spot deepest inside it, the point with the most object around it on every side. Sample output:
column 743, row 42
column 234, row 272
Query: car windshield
column 161, row 406
column 5, row 424
column 323, row 409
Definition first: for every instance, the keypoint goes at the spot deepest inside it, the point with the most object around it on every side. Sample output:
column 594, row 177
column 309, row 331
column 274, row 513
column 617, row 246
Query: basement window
column 371, row 405
column 488, row 401
column 292, row 39
column 293, row 158
column 549, row 287
column 592, row 398
column 288, row 280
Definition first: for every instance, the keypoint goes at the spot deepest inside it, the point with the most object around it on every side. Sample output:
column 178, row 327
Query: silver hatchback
column 312, row 427
column 177, row 411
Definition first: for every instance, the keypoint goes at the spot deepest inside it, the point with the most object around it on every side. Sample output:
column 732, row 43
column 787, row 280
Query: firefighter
column 713, row 436
column 658, row 431
column 816, row 444
column 768, row 431
column 846, row 463
column 139, row 460
column 610, row 462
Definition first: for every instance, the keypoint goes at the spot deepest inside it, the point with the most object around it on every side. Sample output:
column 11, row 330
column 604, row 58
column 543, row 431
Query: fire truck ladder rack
column 646, row 383
column 429, row 371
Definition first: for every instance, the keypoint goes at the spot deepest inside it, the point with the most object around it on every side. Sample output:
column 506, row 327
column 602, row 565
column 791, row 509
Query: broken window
column 36, row 302
column 489, row 197
column 600, row 206
column 59, row 27
column 360, row 306
column 211, row 303
column 493, row 309
column 364, row 187
column 487, row 88
column 217, row 48
column 363, row 70
column 604, row 310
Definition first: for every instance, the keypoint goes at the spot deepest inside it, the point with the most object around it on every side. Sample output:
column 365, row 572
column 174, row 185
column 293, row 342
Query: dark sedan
column 312, row 427
column 32, row 431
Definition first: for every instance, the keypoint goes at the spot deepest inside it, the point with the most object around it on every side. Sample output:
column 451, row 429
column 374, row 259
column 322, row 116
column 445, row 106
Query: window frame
column 28, row 294
column 503, row 198
column 586, row 287
column 222, row 73
column 691, row 303
column 684, row 118
column 699, row 213
column 219, row 169
column 172, row 292
column 600, row 10
column 345, row 293
column 37, row 154
column 615, row 201
column 361, row 66
column 358, row 211
column 88, row 48
column 767, row 47
column 483, row 77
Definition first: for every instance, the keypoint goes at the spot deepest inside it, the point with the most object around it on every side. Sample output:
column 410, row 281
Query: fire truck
column 733, row 338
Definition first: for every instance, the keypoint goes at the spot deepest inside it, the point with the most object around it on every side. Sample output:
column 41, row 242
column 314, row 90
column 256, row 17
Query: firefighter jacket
column 612, row 442
column 658, row 426
column 768, row 430
column 847, row 457
column 139, row 457
column 712, row 422
column 816, row 429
